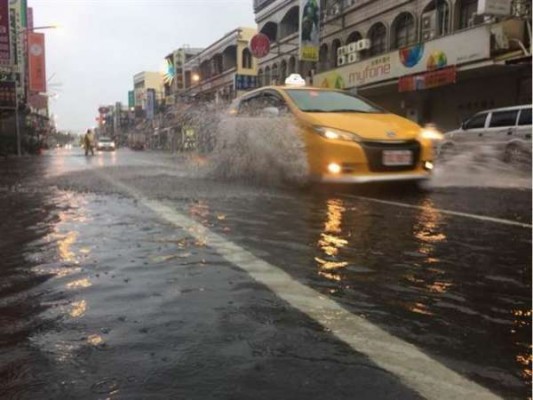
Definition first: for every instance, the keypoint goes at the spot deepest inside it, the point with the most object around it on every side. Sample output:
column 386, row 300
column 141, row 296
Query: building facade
column 224, row 69
column 432, row 61
column 142, row 82
column 174, row 79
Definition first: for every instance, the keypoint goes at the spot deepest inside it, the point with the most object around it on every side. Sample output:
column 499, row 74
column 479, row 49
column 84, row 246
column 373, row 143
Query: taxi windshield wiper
column 315, row 110
column 352, row 110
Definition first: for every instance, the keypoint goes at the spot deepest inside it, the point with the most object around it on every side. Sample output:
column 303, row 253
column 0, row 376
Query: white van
column 507, row 130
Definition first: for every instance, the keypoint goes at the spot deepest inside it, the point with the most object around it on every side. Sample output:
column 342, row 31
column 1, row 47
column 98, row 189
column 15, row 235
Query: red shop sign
column 259, row 45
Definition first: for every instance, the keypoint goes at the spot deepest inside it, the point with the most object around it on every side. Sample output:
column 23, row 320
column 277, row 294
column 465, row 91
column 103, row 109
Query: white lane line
column 446, row 212
column 414, row 368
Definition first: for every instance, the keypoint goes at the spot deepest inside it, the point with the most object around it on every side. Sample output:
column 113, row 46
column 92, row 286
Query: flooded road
column 127, row 275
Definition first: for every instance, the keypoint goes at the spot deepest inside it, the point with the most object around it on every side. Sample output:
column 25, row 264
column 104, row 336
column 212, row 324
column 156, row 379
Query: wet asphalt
column 100, row 297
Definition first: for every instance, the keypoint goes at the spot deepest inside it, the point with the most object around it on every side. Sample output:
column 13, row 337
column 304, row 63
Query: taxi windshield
column 331, row 101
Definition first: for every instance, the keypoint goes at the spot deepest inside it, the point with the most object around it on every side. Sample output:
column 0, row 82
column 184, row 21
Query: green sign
column 131, row 99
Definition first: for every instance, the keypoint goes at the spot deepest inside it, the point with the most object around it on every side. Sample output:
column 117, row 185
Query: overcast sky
column 103, row 43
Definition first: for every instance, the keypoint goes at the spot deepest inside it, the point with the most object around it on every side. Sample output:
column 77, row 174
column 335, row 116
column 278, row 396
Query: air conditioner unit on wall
column 363, row 44
column 429, row 25
column 341, row 60
column 341, row 51
column 352, row 47
column 353, row 57
column 428, row 35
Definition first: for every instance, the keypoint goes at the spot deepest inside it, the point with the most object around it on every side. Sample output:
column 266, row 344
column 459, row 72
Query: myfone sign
column 464, row 47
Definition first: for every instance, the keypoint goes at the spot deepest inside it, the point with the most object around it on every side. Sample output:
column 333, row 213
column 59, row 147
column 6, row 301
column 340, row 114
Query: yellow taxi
column 348, row 139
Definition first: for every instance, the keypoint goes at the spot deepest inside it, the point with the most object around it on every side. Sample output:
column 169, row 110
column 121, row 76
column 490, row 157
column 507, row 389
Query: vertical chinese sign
column 309, row 30
column 150, row 103
column 36, row 60
column 131, row 99
column 5, row 50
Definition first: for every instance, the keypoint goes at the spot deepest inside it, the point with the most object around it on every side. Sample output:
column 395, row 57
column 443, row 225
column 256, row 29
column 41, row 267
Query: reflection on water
column 79, row 284
column 331, row 241
column 427, row 230
column 106, row 159
column 78, row 309
column 64, row 247
column 420, row 308
column 522, row 321
column 95, row 340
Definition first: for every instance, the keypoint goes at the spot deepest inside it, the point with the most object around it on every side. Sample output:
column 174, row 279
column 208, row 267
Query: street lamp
column 17, row 122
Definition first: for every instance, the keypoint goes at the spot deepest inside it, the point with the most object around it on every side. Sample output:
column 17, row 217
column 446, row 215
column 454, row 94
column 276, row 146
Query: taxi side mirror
column 270, row 112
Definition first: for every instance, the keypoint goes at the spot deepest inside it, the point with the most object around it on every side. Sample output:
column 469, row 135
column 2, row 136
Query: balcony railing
column 260, row 4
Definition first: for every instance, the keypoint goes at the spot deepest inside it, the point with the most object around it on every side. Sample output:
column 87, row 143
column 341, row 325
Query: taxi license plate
column 394, row 158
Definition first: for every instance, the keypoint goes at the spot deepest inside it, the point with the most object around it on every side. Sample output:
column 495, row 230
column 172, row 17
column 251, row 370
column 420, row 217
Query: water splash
column 266, row 151
column 482, row 167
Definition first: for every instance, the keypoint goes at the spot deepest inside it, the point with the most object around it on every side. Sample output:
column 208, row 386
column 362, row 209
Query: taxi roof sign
column 295, row 80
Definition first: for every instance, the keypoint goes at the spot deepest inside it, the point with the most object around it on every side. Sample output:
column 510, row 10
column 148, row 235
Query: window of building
column 267, row 76
column 323, row 59
column 274, row 72
column 404, row 30
column 378, row 39
column 271, row 31
column 290, row 22
column 282, row 71
column 260, row 77
column 353, row 37
column 467, row 10
column 525, row 117
column 334, row 47
column 476, row 122
column 246, row 59
column 292, row 65
column 501, row 119
column 441, row 10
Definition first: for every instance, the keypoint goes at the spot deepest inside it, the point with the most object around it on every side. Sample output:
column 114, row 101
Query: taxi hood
column 369, row 126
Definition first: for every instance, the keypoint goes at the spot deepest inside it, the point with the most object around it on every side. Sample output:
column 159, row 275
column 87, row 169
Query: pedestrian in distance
column 88, row 141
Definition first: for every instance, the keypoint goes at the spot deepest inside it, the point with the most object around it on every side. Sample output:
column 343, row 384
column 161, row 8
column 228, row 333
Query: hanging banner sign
column 309, row 30
column 428, row 80
column 36, row 62
column 5, row 51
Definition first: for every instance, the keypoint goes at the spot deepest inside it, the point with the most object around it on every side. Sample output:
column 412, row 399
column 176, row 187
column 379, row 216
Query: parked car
column 105, row 143
column 507, row 130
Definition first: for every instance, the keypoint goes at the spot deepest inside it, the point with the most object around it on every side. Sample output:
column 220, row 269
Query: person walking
column 88, row 141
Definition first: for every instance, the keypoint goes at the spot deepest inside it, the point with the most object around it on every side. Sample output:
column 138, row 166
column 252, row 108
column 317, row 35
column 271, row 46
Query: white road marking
column 414, row 368
column 445, row 212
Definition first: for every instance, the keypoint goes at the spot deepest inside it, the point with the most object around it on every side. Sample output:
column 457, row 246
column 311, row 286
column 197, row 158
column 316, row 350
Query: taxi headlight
column 336, row 134
column 430, row 133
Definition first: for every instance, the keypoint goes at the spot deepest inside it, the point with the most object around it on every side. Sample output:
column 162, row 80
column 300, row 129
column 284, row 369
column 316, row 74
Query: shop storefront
column 441, row 81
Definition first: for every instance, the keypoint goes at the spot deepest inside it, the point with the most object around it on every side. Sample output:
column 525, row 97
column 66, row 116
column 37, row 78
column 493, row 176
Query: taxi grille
column 374, row 155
